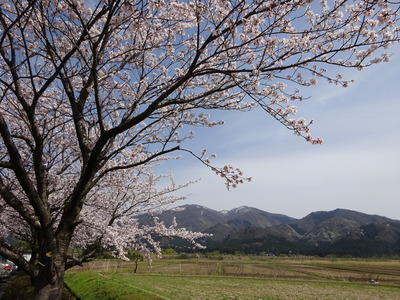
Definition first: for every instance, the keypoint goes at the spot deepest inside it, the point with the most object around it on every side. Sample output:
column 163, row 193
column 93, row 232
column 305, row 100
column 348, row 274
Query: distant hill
column 203, row 219
column 251, row 230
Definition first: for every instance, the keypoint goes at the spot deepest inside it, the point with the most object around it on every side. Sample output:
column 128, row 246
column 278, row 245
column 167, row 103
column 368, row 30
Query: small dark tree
column 135, row 256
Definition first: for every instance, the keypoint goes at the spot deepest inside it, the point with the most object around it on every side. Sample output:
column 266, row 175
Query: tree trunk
column 49, row 291
column 49, row 281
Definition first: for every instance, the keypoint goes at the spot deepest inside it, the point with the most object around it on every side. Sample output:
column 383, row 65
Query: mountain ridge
column 252, row 230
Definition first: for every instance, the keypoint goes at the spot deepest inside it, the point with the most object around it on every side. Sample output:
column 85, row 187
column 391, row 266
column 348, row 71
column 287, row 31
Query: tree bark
column 49, row 291
column 49, row 280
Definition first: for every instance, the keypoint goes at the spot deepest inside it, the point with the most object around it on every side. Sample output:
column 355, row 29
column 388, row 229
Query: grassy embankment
column 239, row 278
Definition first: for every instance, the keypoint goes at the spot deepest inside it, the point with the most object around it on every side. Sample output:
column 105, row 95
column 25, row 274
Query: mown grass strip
column 135, row 287
column 95, row 286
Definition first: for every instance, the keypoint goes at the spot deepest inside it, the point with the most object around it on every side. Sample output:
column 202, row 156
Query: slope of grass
column 96, row 286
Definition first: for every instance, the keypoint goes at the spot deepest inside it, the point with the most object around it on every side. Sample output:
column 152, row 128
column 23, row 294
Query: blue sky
column 357, row 167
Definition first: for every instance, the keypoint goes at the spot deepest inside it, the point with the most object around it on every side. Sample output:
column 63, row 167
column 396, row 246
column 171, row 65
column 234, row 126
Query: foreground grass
column 233, row 278
column 229, row 278
column 92, row 285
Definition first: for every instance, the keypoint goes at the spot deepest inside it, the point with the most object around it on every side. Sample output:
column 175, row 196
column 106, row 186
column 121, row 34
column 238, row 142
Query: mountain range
column 251, row 230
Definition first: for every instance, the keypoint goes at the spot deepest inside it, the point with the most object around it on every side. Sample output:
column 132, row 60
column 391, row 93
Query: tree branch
column 6, row 165
column 18, row 205
column 13, row 255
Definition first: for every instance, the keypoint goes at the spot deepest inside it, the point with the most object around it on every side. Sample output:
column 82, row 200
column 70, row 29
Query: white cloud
column 357, row 168
column 362, row 177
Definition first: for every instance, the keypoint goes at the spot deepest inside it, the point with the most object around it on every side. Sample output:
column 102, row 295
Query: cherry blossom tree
column 107, row 217
column 93, row 92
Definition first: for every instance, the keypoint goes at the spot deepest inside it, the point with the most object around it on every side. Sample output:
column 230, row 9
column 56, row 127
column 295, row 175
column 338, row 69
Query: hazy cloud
column 357, row 168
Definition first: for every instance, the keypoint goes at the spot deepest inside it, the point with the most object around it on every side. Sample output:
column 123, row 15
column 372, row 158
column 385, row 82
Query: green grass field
column 239, row 278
